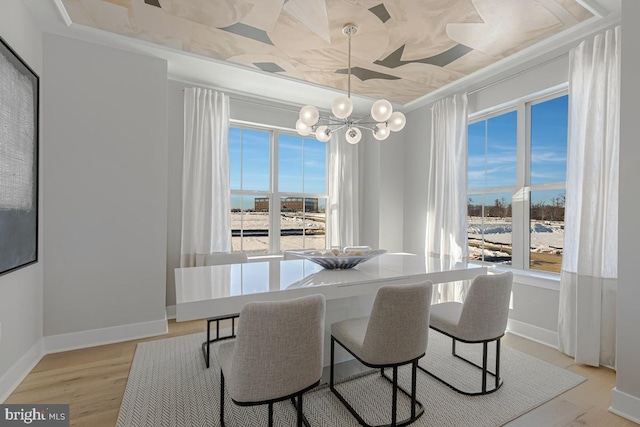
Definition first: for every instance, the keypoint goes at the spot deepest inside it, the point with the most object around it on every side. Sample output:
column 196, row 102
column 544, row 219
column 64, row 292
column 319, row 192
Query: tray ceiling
column 404, row 49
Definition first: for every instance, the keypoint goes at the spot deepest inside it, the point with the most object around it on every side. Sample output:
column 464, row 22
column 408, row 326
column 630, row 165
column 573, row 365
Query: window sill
column 537, row 279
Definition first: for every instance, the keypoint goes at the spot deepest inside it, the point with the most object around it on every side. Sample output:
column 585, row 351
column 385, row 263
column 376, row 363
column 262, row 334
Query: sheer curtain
column 343, row 211
column 588, row 287
column 446, row 229
column 206, row 210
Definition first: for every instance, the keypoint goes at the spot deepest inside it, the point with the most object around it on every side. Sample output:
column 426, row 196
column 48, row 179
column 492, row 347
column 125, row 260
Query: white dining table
column 217, row 291
column 203, row 292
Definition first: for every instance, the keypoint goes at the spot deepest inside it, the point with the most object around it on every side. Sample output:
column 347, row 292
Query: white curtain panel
column 343, row 212
column 588, row 287
column 446, row 228
column 206, row 204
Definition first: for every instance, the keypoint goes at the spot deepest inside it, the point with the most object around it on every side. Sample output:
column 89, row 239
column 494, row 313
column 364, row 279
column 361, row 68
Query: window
column 491, row 177
column 516, row 184
column 278, row 191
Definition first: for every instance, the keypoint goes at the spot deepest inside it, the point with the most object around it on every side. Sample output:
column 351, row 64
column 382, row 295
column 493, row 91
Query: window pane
column 235, row 160
column 291, row 223
column 303, row 165
column 315, row 166
column 250, row 224
column 489, row 227
column 549, row 121
column 476, row 155
column 502, row 141
column 315, row 235
column 302, row 223
column 290, row 162
column 547, row 230
column 255, row 160
column 492, row 149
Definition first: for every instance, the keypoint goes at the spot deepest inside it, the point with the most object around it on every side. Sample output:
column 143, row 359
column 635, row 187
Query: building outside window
column 278, row 190
column 516, row 174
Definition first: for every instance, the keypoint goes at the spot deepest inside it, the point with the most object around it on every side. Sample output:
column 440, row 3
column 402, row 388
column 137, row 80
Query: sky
column 302, row 164
column 493, row 144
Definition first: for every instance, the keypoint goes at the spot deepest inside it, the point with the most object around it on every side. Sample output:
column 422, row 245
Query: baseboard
column 19, row 370
column 625, row 405
column 533, row 333
column 95, row 337
column 171, row 312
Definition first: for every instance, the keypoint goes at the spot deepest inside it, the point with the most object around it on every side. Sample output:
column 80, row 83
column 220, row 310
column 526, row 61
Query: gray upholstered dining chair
column 220, row 258
column 481, row 319
column 393, row 335
column 276, row 356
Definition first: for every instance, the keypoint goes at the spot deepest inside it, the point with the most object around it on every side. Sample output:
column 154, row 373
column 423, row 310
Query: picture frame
column 19, row 140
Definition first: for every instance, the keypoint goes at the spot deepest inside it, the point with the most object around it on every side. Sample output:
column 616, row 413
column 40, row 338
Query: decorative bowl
column 338, row 262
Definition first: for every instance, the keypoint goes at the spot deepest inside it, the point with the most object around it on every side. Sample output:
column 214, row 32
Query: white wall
column 21, row 290
column 626, row 395
column 549, row 74
column 105, row 188
column 381, row 190
column 416, row 138
column 391, row 194
column 369, row 179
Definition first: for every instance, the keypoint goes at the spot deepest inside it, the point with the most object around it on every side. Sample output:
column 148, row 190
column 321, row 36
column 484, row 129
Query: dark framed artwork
column 19, row 104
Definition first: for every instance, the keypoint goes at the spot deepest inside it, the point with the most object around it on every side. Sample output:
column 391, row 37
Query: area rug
column 169, row 385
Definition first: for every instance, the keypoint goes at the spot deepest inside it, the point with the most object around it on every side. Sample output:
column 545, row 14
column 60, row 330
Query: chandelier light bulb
column 397, row 121
column 303, row 129
column 309, row 115
column 342, row 107
column 381, row 110
column 381, row 132
column 354, row 135
column 323, row 133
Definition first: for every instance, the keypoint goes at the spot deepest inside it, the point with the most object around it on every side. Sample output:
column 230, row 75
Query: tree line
column 551, row 210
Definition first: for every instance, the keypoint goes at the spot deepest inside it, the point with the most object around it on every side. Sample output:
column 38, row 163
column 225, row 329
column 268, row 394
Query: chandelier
column 383, row 119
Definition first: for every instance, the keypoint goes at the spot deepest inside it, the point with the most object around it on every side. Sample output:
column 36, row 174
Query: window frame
column 272, row 193
column 521, row 193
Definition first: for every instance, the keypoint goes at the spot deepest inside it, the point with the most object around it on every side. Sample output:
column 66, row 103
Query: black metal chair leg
column 482, row 367
column 300, row 410
column 270, row 414
column 414, row 375
column 497, row 370
column 206, row 346
column 208, row 343
column 394, row 401
column 333, row 342
column 221, row 398
column 301, row 415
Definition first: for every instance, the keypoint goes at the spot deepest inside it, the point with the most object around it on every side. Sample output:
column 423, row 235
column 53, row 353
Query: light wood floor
column 92, row 382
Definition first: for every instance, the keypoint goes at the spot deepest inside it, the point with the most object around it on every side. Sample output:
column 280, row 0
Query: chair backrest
column 485, row 310
column 220, row 258
column 278, row 349
column 398, row 325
